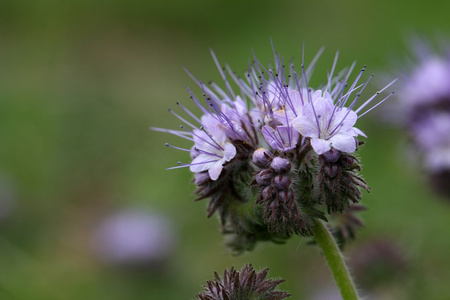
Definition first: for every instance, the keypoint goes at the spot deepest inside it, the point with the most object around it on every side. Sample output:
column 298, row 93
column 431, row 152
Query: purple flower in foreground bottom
column 244, row 285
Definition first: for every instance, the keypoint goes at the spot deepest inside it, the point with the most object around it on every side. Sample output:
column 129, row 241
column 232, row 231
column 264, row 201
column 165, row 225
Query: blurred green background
column 80, row 84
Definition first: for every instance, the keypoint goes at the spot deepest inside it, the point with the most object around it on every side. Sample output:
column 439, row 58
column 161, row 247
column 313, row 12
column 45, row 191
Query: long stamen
column 214, row 144
column 274, row 137
column 314, row 110
column 224, row 77
column 206, row 152
column 330, row 77
column 376, row 105
column 178, row 148
column 182, row 119
column 350, row 108
column 183, row 165
column 189, row 112
column 376, row 94
column 178, row 133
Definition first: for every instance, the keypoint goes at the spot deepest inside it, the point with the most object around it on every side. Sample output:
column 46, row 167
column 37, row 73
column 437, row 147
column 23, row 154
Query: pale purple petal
column 282, row 138
column 344, row 143
column 202, row 163
column 305, row 126
column 215, row 170
column 241, row 106
column 355, row 132
column 345, row 118
column 202, row 140
column 320, row 146
column 270, row 137
column 296, row 101
column 230, row 152
column 214, row 128
column 316, row 95
column 284, row 116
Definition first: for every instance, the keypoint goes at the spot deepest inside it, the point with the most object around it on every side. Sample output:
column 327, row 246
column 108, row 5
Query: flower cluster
column 424, row 99
column 242, row 285
column 279, row 153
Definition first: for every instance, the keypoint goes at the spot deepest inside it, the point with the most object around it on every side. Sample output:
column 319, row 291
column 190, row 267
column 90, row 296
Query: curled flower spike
column 275, row 154
column 242, row 285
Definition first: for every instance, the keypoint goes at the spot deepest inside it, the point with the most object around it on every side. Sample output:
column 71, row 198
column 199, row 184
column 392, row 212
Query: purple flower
column 294, row 111
column 432, row 137
column 282, row 138
column 134, row 237
column 225, row 123
column 424, row 101
column 328, row 125
column 278, row 140
column 428, row 83
column 211, row 153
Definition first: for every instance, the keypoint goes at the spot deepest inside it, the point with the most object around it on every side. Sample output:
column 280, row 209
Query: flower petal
column 305, row 126
column 202, row 163
column 215, row 170
column 230, row 152
column 344, row 143
column 320, row 146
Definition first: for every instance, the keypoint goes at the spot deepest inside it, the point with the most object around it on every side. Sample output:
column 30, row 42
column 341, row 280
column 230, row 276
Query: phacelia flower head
column 275, row 153
column 246, row 284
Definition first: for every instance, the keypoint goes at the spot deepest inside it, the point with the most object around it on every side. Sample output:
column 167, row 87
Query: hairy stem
column 335, row 261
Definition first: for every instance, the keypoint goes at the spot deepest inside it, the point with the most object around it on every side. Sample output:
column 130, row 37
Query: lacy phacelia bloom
column 242, row 285
column 212, row 149
column 424, row 99
column 277, row 153
column 328, row 125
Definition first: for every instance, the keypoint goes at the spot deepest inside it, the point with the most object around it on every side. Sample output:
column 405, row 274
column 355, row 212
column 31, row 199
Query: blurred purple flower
column 424, row 100
column 134, row 238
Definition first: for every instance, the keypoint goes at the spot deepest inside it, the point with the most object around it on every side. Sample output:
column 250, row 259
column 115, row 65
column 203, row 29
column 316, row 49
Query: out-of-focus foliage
column 81, row 82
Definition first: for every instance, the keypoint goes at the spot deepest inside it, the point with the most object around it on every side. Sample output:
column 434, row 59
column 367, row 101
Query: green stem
column 335, row 261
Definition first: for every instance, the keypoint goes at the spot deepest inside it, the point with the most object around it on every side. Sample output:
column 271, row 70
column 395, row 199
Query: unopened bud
column 286, row 195
column 332, row 156
column 331, row 170
column 262, row 157
column 264, row 177
column 201, row 178
column 267, row 194
column 280, row 165
column 281, row 181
